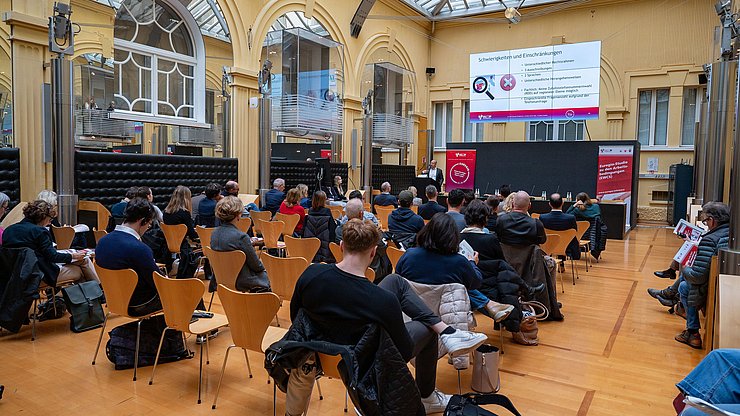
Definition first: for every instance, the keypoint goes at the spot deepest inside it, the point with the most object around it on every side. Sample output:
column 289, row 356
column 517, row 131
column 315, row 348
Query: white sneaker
column 462, row 341
column 436, row 402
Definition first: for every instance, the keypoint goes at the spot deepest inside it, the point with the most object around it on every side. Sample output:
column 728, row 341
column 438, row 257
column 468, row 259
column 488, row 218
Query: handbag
column 485, row 369
column 85, row 304
column 469, row 404
column 532, row 311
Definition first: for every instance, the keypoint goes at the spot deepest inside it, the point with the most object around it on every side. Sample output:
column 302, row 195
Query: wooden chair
column 584, row 245
column 336, row 251
column 367, row 207
column 249, row 317
column 101, row 211
column 99, row 234
column 394, row 254
column 179, row 300
column 291, row 221
column 329, row 365
column 336, row 211
column 204, row 234
column 118, row 286
column 302, row 247
column 370, row 274
column 284, row 273
column 259, row 215
column 14, row 216
column 271, row 231
column 63, row 236
column 711, row 308
column 549, row 247
column 243, row 224
column 226, row 266
column 174, row 234
column 249, row 199
column 383, row 213
column 415, row 208
column 561, row 249
column 535, row 215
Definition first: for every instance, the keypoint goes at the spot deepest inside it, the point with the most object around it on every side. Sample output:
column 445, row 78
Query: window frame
column 556, row 130
column 700, row 94
column 653, row 117
column 445, row 106
column 199, row 74
column 473, row 126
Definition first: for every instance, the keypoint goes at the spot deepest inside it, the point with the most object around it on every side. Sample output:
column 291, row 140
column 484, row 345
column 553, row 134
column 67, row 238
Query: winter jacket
column 321, row 224
column 597, row 236
column 19, row 283
column 404, row 220
column 27, row 234
column 374, row 372
column 529, row 263
column 452, row 304
column 503, row 284
column 697, row 275
column 252, row 276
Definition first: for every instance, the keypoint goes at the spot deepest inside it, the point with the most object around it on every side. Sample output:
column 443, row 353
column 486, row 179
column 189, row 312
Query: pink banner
column 460, row 169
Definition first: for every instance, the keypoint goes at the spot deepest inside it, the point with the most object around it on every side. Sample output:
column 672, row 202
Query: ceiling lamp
column 512, row 13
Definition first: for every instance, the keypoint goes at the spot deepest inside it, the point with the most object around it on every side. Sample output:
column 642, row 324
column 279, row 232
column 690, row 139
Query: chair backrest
column 226, row 265
column 249, row 199
column 710, row 336
column 302, row 247
column 336, row 251
column 249, row 315
column 535, row 215
column 179, row 299
column 290, row 220
column 370, row 274
column 583, row 226
column 336, row 211
column 99, row 234
column 329, row 364
column 565, row 238
column 174, row 234
column 415, row 208
column 102, row 212
column 553, row 240
column 394, row 254
column 204, row 234
column 118, row 286
column 366, row 206
column 283, row 273
column 383, row 213
column 14, row 216
column 63, row 236
column 271, row 231
column 259, row 215
column 243, row 224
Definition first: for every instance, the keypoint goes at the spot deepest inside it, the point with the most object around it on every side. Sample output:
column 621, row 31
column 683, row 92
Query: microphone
column 556, row 190
column 532, row 193
column 485, row 191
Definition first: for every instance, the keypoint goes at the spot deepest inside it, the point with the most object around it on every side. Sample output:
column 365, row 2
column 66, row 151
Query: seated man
column 365, row 215
column 427, row 211
column 517, row 228
column 207, row 206
column 455, row 199
column 715, row 380
column 116, row 210
column 403, row 219
column 231, row 188
column 123, row 249
column 385, row 198
column 275, row 196
column 558, row 221
column 341, row 301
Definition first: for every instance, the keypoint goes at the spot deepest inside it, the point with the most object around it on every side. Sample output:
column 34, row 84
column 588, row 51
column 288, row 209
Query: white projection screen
column 559, row 82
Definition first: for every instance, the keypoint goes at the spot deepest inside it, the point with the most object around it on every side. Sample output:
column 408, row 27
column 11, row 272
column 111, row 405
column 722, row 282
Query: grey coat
column 252, row 277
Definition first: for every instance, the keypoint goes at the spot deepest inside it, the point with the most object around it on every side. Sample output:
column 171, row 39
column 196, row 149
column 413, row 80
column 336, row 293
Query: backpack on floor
column 121, row 347
column 468, row 404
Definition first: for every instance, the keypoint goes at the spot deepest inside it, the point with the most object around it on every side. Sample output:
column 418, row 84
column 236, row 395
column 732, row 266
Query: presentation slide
column 558, row 82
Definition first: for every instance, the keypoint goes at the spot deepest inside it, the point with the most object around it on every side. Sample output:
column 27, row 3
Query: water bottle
column 544, row 194
column 568, row 196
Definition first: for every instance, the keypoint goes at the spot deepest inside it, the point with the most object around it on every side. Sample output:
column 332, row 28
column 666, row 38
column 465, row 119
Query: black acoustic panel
column 10, row 174
column 298, row 151
column 399, row 177
column 105, row 177
column 296, row 172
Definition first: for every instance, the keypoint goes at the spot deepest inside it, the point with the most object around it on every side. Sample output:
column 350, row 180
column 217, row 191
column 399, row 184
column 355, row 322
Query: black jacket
column 518, row 229
column 29, row 235
column 374, row 372
column 320, row 224
column 19, row 283
column 559, row 221
column 385, row 200
column 503, row 284
column 427, row 211
column 403, row 220
column 697, row 275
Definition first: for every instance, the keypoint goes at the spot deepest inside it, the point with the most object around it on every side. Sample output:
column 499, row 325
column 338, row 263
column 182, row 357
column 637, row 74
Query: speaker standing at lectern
column 435, row 174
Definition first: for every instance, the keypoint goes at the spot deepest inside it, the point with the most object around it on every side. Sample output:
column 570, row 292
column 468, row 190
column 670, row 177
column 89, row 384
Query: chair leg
column 277, row 320
column 100, row 339
column 33, row 322
column 274, row 399
column 459, row 383
column 318, row 384
column 211, row 301
column 501, row 338
column 136, row 354
column 208, row 351
column 220, row 379
column 346, row 400
column 573, row 272
column 156, row 357
column 562, row 285
column 200, row 372
column 249, row 367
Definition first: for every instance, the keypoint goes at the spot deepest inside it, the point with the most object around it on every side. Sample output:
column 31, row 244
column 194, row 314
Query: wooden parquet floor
column 613, row 355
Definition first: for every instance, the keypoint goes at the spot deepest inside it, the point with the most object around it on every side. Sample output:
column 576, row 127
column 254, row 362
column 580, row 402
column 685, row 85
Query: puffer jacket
column 376, row 375
column 451, row 303
column 503, row 284
column 322, row 227
column 697, row 275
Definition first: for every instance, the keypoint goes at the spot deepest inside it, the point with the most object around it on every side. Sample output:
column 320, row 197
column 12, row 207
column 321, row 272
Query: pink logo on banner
column 460, row 169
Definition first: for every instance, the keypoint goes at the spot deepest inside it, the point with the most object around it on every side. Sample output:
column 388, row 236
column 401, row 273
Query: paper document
column 687, row 253
column 466, row 250
column 692, row 232
column 707, row 407
column 81, row 228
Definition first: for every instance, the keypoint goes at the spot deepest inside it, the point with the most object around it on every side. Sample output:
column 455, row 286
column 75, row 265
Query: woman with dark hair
column 178, row 211
column 584, row 209
column 492, row 202
column 320, row 223
column 435, row 261
column 476, row 233
column 146, row 193
column 32, row 233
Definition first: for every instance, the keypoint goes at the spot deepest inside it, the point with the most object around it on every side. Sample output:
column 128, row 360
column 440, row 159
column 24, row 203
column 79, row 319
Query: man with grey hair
column 517, row 228
column 275, row 196
column 385, row 198
column 354, row 209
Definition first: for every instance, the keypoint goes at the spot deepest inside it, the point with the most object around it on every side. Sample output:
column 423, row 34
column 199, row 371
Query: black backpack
column 121, row 347
column 469, row 404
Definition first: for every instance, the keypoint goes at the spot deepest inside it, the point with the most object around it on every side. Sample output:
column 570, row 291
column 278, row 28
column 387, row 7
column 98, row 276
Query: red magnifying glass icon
column 480, row 86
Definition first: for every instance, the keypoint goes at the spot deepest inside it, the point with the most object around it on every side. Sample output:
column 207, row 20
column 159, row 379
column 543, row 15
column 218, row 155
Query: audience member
column 381, row 265
column 320, row 223
column 427, row 211
column 517, row 228
column 403, row 219
column 4, row 203
column 417, row 201
column 227, row 237
column 275, row 196
column 365, row 214
column 454, row 204
column 305, row 200
column 385, row 198
column 508, row 204
column 178, row 212
column 469, row 196
column 504, row 192
column 231, row 188
column 145, row 192
column 123, row 249
column 32, row 232
column 583, row 209
column 556, row 220
column 475, row 229
column 207, row 207
column 341, row 302
column 195, row 203
column 435, row 261
column 336, row 191
column 492, row 203
column 353, row 209
column 117, row 209
column 291, row 205
column 715, row 380
column 670, row 272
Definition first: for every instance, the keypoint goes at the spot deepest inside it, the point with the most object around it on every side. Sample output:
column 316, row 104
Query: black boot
column 529, row 292
column 666, row 274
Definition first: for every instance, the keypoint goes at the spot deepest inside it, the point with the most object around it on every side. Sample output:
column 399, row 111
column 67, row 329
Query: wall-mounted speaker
column 431, row 70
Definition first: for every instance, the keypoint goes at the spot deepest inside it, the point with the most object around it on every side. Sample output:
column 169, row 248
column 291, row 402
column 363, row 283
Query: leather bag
column 532, row 311
column 85, row 304
column 485, row 370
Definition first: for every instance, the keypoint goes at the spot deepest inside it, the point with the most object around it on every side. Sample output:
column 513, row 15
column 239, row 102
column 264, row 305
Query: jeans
column 692, row 314
column 716, row 379
column 477, row 299
column 690, row 411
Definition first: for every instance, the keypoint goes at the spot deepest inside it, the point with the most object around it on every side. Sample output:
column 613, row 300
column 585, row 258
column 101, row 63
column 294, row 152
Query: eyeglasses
column 704, row 221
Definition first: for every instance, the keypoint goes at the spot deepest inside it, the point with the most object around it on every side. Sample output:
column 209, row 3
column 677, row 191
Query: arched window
column 159, row 64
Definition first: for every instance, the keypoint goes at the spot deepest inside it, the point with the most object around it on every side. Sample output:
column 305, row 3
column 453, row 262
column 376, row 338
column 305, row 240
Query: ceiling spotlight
column 513, row 15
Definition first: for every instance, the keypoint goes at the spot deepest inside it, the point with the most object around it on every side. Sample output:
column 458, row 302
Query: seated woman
column 146, row 193
column 178, row 211
column 584, row 209
column 291, row 205
column 305, row 200
column 123, row 249
column 320, row 223
column 416, row 201
column 227, row 237
column 336, row 191
column 435, row 261
column 32, row 233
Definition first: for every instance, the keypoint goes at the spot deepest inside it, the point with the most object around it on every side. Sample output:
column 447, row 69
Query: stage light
column 513, row 15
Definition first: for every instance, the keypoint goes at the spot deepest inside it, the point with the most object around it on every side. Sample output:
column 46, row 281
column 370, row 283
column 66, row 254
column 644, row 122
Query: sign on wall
column 558, row 82
column 460, row 169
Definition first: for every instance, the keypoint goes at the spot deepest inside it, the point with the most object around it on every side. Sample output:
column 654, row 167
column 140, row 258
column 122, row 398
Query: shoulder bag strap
column 497, row 399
